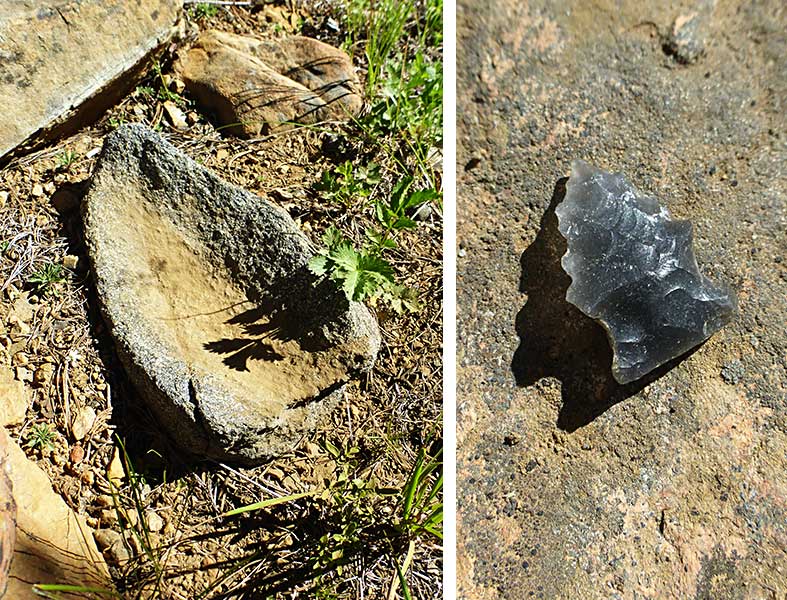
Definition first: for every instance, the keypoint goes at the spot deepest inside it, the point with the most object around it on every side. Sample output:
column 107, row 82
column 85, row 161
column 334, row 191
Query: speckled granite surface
column 570, row 485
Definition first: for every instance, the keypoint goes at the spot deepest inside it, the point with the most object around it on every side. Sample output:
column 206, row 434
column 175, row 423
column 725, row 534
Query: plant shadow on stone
column 558, row 340
column 254, row 345
column 296, row 310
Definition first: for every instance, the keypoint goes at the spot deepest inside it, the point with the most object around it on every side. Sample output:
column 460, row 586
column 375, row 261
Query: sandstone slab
column 7, row 515
column 206, row 290
column 53, row 544
column 13, row 398
column 61, row 63
column 255, row 86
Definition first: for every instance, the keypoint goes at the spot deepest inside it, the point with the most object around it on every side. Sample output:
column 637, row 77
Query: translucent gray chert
column 633, row 269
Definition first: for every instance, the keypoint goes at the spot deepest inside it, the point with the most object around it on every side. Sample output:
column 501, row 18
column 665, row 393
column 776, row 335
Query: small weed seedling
column 40, row 437
column 146, row 91
column 163, row 93
column 204, row 10
column 65, row 159
column 45, row 280
column 347, row 183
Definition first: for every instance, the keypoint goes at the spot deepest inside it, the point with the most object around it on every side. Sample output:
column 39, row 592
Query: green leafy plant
column 393, row 215
column 164, row 93
column 146, row 91
column 421, row 500
column 363, row 273
column 45, row 279
column 40, row 437
column 404, row 82
column 410, row 104
column 204, row 10
column 161, row 91
column 381, row 24
column 115, row 122
column 347, row 183
column 66, row 158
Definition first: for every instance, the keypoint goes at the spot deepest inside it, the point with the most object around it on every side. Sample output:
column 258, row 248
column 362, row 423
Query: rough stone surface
column 63, row 62
column 256, row 86
column 13, row 398
column 207, row 292
column 569, row 484
column 7, row 515
column 53, row 544
column 633, row 269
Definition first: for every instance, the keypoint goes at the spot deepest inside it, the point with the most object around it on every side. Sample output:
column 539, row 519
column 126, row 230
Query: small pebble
column 84, row 419
column 104, row 500
column 111, row 542
column 175, row 115
column 76, row 455
column 424, row 212
column 43, row 375
column 108, row 517
column 115, row 472
column 684, row 41
column 70, row 261
column 155, row 522
column 23, row 374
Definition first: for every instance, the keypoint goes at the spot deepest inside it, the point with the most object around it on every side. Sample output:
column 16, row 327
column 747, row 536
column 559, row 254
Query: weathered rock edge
column 62, row 66
column 265, row 254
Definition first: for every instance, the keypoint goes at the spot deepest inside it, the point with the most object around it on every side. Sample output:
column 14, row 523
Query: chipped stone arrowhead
column 633, row 269
column 216, row 317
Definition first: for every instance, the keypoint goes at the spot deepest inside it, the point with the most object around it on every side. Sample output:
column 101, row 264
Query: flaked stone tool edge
column 633, row 270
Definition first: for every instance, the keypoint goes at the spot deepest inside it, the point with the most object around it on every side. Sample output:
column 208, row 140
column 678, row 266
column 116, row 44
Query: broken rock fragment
column 254, row 86
column 53, row 544
column 215, row 314
column 633, row 269
column 62, row 63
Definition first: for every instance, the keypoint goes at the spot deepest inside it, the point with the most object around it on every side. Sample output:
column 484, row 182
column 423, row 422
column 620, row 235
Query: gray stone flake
column 633, row 269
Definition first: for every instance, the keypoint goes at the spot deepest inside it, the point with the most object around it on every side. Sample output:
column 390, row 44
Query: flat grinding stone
column 216, row 318
column 633, row 269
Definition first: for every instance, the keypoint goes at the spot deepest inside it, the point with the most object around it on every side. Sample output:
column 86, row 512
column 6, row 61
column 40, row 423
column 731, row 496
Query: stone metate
column 633, row 269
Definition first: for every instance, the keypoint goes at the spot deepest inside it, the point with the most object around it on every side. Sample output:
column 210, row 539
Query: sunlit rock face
column 633, row 269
